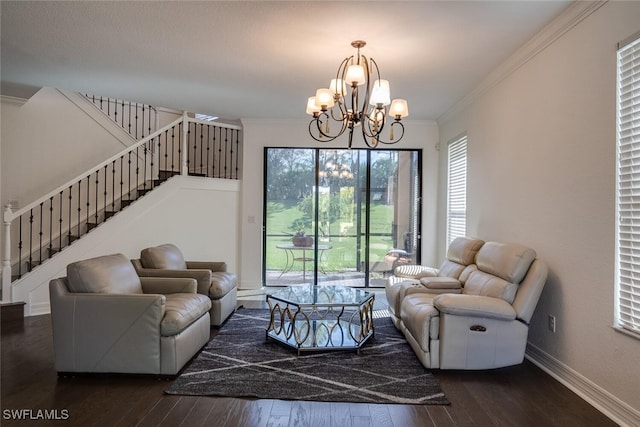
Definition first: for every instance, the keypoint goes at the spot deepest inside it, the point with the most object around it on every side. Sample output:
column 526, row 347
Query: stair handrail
column 183, row 169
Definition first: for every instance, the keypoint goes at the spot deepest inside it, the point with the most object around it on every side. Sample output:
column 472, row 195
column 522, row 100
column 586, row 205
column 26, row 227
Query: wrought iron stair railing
column 139, row 120
column 48, row 225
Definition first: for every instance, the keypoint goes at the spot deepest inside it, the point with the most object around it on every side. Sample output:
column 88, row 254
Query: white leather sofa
column 213, row 279
column 482, row 325
column 108, row 320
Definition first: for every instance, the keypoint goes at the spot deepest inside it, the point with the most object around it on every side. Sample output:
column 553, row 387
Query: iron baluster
column 60, row 223
column 104, row 195
column 180, row 146
column 142, row 120
column 70, row 213
column 113, row 186
column 208, row 150
column 173, row 147
column 88, row 201
column 226, row 150
column 40, row 236
column 144, row 182
column 20, row 247
column 30, row 239
column 97, row 191
column 137, row 170
column 219, row 153
column 121, row 180
column 50, row 226
column 129, row 176
column 237, row 151
column 201, row 145
column 166, row 132
column 136, row 117
column 79, row 206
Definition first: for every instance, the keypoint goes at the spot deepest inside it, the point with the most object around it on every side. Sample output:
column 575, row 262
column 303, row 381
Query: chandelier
column 366, row 106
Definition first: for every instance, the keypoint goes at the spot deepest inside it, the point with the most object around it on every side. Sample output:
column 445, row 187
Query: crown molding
column 13, row 100
column 569, row 18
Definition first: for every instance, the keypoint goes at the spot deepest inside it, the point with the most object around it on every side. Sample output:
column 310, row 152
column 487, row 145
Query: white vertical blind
column 457, row 189
column 628, row 186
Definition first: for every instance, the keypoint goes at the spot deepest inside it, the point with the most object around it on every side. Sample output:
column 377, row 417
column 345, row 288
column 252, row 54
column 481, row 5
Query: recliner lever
column 478, row 328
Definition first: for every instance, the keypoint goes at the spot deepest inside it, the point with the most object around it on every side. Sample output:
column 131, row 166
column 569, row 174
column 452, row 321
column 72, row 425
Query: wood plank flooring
column 521, row 395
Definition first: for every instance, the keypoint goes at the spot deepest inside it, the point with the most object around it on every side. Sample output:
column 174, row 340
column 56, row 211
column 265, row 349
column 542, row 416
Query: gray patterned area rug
column 239, row 362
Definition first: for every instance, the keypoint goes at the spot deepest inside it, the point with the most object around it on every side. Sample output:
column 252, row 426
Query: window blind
column 457, row 189
column 628, row 183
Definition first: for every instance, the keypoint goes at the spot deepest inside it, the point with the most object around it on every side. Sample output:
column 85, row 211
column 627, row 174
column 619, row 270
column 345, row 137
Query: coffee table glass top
column 321, row 317
column 321, row 295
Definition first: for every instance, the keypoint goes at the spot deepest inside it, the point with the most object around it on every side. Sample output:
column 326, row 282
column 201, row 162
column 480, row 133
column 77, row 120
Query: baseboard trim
column 39, row 308
column 596, row 396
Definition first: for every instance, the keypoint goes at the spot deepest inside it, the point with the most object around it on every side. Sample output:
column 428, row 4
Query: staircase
column 46, row 227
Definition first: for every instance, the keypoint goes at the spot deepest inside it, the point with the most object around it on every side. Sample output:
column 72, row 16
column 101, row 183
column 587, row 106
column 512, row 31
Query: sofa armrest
column 414, row 271
column 168, row 285
column 203, row 277
column 95, row 332
column 441, row 284
column 474, row 306
column 220, row 266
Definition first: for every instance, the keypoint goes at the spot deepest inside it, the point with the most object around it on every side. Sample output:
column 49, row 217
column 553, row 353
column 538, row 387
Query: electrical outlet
column 552, row 323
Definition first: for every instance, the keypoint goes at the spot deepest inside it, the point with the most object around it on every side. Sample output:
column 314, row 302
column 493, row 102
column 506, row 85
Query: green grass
column 343, row 256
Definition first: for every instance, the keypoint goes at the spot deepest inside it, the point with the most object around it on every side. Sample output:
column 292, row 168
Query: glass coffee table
column 320, row 317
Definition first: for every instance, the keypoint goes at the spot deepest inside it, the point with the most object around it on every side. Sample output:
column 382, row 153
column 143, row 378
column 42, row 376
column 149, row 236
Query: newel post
column 6, row 256
column 184, row 167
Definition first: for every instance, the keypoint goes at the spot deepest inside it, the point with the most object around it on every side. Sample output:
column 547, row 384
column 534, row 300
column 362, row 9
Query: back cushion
column 450, row 269
column 463, row 250
column 166, row 257
column 109, row 274
column 508, row 261
column 488, row 285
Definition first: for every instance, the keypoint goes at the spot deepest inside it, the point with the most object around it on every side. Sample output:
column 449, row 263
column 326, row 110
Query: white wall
column 541, row 171
column 294, row 133
column 46, row 142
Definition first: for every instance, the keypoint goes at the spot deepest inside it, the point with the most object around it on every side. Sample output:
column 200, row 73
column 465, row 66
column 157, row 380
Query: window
column 457, row 189
column 627, row 311
column 360, row 209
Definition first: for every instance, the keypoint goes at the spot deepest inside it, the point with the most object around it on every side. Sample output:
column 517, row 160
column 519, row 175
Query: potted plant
column 302, row 239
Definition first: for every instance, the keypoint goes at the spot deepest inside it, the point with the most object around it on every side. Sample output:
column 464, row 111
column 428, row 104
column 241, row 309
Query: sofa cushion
column 181, row 310
column 488, row 285
column 167, row 257
column 221, row 284
column 108, row 274
column 509, row 261
column 463, row 250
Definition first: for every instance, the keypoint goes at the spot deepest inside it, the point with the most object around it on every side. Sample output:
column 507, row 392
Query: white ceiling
column 262, row 59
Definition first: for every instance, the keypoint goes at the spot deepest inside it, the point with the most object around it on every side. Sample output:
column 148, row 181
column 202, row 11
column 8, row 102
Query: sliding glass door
column 339, row 216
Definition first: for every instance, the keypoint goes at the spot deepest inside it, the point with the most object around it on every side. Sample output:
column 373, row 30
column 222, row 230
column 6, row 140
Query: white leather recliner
column 485, row 325
column 413, row 278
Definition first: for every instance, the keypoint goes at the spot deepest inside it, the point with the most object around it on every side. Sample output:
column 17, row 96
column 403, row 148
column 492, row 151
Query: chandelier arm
column 397, row 138
column 377, row 70
column 368, row 131
column 322, row 135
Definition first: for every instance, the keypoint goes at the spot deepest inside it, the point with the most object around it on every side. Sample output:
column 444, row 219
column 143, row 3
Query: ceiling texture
column 261, row 59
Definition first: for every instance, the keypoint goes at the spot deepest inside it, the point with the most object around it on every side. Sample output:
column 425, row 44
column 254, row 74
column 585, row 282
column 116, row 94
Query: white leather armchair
column 486, row 325
column 212, row 277
column 108, row 320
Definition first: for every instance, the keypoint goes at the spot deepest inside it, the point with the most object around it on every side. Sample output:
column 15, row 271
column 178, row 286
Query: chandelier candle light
column 369, row 112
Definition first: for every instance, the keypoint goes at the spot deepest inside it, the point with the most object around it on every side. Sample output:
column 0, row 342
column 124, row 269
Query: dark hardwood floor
column 517, row 396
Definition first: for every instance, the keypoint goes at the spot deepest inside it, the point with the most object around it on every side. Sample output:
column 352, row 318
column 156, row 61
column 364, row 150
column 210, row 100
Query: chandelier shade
column 357, row 98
